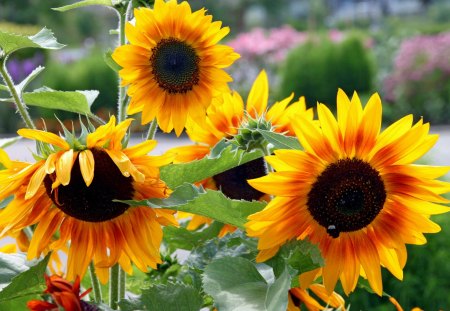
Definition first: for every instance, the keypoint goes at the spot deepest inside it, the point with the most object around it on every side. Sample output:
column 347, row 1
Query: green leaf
column 30, row 78
column 19, row 282
column 171, row 297
column 44, row 39
column 236, row 284
column 83, row 3
column 280, row 141
column 5, row 142
column 209, row 203
column 181, row 238
column 4, row 88
column 76, row 101
column 304, row 256
column 111, row 62
column 177, row 174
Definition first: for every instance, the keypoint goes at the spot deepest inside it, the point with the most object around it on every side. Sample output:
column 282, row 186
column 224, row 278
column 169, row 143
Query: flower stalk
column 122, row 98
column 114, row 287
column 16, row 94
column 95, row 284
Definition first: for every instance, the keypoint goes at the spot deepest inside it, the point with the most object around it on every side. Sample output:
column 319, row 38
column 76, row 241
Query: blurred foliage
column 71, row 27
column 318, row 68
column 89, row 72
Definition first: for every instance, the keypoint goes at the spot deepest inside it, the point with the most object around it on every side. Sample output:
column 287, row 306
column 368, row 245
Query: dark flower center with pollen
column 93, row 203
column 175, row 65
column 233, row 183
column 347, row 196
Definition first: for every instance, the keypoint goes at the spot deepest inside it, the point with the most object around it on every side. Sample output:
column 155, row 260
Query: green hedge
column 318, row 68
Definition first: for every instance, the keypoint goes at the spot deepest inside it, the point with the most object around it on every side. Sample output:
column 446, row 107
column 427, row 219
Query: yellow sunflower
column 72, row 190
column 227, row 113
column 298, row 296
column 353, row 191
column 225, row 116
column 173, row 63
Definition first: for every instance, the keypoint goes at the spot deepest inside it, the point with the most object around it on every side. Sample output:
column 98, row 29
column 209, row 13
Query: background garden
column 400, row 49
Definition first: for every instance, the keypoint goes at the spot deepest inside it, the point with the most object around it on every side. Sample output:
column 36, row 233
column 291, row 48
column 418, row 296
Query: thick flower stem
column 95, row 284
column 122, row 282
column 152, row 130
column 121, row 101
column 17, row 96
column 114, row 286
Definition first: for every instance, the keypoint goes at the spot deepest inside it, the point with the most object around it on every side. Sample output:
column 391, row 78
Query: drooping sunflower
column 73, row 188
column 225, row 117
column 354, row 191
column 298, row 297
column 173, row 64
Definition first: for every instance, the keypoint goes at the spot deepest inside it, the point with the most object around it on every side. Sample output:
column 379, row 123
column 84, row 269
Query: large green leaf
column 44, row 39
column 237, row 285
column 20, row 282
column 181, row 238
column 280, row 141
column 84, row 3
column 209, row 203
column 76, row 101
column 176, row 174
column 171, row 297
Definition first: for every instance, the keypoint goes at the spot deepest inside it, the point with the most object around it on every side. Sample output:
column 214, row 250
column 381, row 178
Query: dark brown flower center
column 347, row 196
column 93, row 203
column 175, row 65
column 233, row 183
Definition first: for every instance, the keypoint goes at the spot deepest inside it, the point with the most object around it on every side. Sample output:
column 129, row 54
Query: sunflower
column 73, row 189
column 225, row 116
column 353, row 191
column 298, row 296
column 173, row 63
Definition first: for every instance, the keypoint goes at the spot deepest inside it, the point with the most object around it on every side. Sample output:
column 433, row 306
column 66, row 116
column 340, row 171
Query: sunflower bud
column 249, row 136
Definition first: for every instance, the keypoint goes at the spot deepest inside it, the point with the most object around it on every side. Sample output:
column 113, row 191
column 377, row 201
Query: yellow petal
column 64, row 167
column 45, row 137
column 87, row 165
column 258, row 96
column 35, row 182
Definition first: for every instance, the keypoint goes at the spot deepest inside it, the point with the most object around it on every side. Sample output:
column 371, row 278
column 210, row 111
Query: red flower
column 63, row 294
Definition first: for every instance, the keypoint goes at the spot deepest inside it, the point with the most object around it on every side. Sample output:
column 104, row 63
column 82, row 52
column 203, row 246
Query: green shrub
column 318, row 68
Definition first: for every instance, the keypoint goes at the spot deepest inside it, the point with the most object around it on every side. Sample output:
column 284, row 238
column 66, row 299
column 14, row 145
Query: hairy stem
column 114, row 286
column 121, row 101
column 95, row 284
column 152, row 130
column 17, row 96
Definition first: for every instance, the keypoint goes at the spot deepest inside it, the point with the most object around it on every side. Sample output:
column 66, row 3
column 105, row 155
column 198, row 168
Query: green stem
column 114, row 286
column 20, row 105
column 95, row 284
column 152, row 130
column 122, row 282
column 121, row 101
